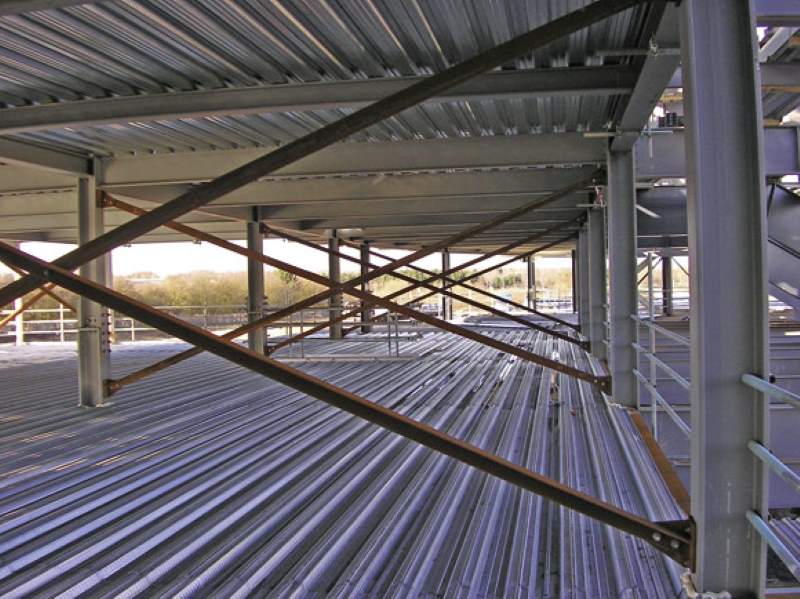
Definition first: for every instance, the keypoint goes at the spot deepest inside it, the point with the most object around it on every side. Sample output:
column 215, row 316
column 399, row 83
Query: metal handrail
column 667, row 333
column 775, row 464
column 664, row 366
column 774, row 391
column 774, row 542
column 682, row 426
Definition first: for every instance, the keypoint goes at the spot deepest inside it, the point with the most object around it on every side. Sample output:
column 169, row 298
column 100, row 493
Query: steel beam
column 330, row 134
column 335, row 301
column 728, row 313
column 378, row 158
column 664, row 156
column 656, row 70
column 622, row 273
column 330, row 95
column 92, row 318
column 674, row 539
column 255, row 283
column 777, row 13
column 37, row 157
column 597, row 283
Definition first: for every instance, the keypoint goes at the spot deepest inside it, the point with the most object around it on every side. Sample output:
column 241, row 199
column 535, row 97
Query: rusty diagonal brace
column 43, row 290
column 114, row 385
column 603, row 382
column 456, row 238
column 343, row 128
column 470, row 287
column 674, row 539
column 345, row 316
column 426, row 283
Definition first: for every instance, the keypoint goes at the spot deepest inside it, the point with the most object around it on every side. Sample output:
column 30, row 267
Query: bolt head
column 656, row 536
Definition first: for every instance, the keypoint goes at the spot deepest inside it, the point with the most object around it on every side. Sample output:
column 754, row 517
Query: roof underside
column 138, row 49
column 148, row 88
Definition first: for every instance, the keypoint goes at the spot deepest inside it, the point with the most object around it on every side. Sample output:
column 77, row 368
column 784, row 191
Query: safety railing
column 775, row 465
column 649, row 378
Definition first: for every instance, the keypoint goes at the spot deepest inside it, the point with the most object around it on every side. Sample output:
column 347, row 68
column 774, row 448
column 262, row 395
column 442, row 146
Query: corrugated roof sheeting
column 130, row 47
column 208, row 480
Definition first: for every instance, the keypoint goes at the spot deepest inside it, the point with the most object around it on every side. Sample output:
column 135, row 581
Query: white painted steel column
column 255, row 282
column 622, row 300
column 574, row 275
column 19, row 321
column 92, row 318
column 666, row 284
column 729, row 335
column 583, row 281
column 366, row 311
column 597, row 283
column 531, row 282
column 335, row 275
column 447, row 302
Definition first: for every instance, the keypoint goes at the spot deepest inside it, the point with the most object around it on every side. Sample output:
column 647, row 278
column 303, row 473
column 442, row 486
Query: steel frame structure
column 675, row 539
column 447, row 283
column 351, row 288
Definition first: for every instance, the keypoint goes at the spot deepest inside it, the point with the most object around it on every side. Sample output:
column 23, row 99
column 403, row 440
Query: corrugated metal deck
column 208, row 480
column 134, row 47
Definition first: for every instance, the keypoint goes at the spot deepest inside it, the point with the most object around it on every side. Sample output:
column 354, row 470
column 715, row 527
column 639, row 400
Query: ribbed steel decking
column 207, row 480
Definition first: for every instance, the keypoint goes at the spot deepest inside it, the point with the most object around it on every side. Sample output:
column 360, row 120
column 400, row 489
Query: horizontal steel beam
column 672, row 539
column 777, row 13
column 579, row 81
column 775, row 77
column 491, row 152
column 664, row 156
column 33, row 156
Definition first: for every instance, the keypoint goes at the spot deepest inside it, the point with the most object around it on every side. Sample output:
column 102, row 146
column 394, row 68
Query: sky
column 166, row 259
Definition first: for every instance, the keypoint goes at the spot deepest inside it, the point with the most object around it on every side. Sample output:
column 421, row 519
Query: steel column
column 447, row 302
column 574, row 276
column 19, row 319
column 622, row 273
column 531, row 281
column 597, row 283
column 366, row 310
column 583, row 281
column 335, row 276
column 92, row 319
column 255, row 283
column 666, row 285
column 727, row 235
